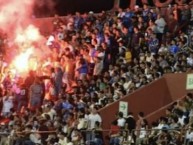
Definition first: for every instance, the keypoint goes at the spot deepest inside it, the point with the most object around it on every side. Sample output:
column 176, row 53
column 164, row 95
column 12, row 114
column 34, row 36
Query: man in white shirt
column 160, row 24
column 93, row 117
column 62, row 138
column 121, row 120
column 160, row 27
column 7, row 104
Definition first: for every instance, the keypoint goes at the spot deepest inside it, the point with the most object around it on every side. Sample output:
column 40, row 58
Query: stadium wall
column 149, row 99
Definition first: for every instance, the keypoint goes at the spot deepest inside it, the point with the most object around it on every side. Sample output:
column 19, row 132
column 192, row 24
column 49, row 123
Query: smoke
column 16, row 22
column 15, row 14
column 30, row 34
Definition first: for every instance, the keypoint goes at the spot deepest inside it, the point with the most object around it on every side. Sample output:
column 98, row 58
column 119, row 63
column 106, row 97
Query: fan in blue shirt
column 173, row 47
column 153, row 44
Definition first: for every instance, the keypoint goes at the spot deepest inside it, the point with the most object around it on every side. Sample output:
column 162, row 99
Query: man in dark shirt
column 135, row 42
column 58, row 81
column 130, row 122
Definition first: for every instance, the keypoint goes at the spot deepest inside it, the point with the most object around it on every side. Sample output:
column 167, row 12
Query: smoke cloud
column 15, row 14
column 15, row 20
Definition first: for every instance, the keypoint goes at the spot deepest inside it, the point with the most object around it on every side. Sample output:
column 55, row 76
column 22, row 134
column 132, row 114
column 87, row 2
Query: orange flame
column 21, row 62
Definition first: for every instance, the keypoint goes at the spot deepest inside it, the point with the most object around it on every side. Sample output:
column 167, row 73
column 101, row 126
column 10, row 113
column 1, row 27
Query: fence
column 124, row 137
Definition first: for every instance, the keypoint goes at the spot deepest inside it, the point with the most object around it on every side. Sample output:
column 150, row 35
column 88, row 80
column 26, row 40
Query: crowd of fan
column 94, row 61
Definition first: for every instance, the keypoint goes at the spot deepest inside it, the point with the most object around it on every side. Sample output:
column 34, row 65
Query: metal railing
column 124, row 136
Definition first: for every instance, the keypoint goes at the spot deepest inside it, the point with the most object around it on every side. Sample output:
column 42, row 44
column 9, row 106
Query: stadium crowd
column 94, row 60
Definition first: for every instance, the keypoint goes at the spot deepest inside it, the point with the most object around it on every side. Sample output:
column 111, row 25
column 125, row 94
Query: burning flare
column 21, row 62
